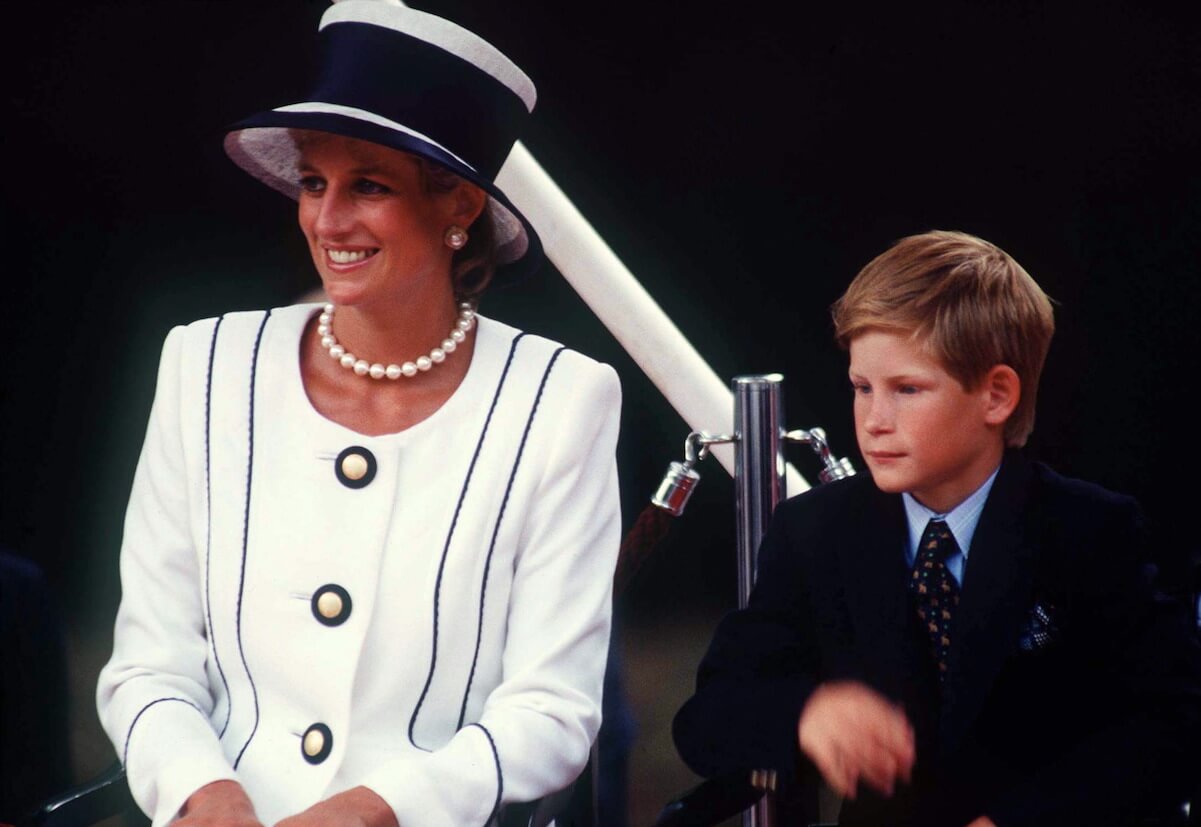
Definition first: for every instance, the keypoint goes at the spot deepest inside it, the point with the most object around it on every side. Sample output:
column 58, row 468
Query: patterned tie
column 935, row 592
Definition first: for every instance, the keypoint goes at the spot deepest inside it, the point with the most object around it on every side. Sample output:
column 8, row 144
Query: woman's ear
column 1002, row 391
column 467, row 202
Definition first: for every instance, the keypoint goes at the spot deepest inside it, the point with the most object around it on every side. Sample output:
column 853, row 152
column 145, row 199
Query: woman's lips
column 348, row 258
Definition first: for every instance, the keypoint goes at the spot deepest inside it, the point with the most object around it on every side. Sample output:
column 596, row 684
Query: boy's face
column 919, row 430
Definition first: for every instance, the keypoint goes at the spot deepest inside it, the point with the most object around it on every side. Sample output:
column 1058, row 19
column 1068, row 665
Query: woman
column 363, row 585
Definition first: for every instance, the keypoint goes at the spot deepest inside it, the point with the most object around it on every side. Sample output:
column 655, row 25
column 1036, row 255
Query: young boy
column 964, row 637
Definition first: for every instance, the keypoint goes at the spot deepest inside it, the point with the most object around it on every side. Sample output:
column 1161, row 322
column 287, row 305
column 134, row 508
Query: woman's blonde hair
column 969, row 303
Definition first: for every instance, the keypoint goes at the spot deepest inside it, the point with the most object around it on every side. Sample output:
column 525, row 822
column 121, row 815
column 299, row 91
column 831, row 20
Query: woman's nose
column 334, row 215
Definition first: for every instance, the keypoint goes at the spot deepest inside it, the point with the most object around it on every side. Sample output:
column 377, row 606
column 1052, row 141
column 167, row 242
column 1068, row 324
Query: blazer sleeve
column 758, row 672
column 1143, row 645
column 537, row 726
column 153, row 695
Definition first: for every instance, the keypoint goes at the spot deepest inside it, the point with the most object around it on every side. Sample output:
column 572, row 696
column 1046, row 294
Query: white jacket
column 458, row 663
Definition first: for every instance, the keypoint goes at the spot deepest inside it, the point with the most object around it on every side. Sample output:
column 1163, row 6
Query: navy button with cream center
column 355, row 467
column 316, row 743
column 331, row 604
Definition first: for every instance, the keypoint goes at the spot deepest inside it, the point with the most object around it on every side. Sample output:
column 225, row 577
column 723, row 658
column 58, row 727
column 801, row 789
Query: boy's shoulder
column 834, row 507
column 1079, row 516
column 1060, row 488
column 1022, row 486
column 839, row 494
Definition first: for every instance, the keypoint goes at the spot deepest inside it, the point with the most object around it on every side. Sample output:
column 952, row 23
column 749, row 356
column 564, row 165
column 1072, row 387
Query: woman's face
column 374, row 229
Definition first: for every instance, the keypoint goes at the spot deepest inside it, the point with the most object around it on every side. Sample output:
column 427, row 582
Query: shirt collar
column 961, row 520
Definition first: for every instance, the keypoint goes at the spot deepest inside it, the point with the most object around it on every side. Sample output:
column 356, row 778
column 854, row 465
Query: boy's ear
column 1003, row 391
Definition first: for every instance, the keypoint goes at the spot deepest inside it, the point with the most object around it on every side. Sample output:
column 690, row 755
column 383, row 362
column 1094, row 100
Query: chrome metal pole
column 758, row 466
column 758, row 487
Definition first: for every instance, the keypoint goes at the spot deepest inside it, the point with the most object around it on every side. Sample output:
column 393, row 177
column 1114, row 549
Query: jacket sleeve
column 537, row 726
column 153, row 695
column 1145, row 652
column 758, row 672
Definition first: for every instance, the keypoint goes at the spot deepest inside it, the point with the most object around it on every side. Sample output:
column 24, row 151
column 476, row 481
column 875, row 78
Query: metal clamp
column 834, row 469
column 681, row 477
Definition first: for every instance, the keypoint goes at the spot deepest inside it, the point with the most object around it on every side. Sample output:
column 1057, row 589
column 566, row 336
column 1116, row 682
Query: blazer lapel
column 995, row 596
column 874, row 577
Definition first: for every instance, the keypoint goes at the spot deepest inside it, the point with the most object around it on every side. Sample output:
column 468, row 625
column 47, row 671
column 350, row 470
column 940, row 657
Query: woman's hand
column 219, row 804
column 357, row 807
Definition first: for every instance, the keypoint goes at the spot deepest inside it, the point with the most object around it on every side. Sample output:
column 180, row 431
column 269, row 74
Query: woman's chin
column 343, row 293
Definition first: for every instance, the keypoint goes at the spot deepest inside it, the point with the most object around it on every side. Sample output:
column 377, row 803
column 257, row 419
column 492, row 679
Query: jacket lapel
column 874, row 578
column 995, row 597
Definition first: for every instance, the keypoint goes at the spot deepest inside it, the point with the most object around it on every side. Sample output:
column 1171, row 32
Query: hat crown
column 425, row 76
column 436, row 31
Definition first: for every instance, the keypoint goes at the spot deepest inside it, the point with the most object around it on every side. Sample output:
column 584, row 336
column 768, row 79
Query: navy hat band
column 468, row 112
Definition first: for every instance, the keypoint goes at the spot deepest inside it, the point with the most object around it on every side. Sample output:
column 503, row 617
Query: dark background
column 744, row 163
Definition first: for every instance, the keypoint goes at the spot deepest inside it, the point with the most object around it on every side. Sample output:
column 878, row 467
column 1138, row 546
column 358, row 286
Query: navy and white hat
column 414, row 82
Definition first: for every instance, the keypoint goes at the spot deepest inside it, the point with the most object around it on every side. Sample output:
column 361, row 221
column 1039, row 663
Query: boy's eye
column 311, row 183
column 908, row 389
column 860, row 388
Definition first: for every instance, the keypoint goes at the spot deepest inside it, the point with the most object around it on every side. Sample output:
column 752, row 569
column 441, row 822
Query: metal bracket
column 834, row 469
column 681, row 478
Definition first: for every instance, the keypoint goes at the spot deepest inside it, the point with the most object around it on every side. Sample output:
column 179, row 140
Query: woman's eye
column 908, row 389
column 859, row 388
column 311, row 183
column 366, row 186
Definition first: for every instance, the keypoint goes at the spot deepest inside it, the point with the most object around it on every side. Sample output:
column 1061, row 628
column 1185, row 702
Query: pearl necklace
column 325, row 329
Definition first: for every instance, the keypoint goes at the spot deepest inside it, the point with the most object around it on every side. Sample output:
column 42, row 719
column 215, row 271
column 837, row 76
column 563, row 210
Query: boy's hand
column 853, row 734
column 219, row 804
column 357, row 807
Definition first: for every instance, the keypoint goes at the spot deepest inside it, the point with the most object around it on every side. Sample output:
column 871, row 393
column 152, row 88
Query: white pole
column 605, row 284
column 623, row 305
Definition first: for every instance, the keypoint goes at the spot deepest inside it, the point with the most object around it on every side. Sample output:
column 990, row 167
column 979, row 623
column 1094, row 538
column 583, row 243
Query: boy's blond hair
column 967, row 300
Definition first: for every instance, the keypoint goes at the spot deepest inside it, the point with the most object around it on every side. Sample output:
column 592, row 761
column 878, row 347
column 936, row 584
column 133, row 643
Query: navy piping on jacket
column 134, row 722
column 254, row 363
column 479, row 632
column 500, row 776
column 451, row 533
column 208, row 503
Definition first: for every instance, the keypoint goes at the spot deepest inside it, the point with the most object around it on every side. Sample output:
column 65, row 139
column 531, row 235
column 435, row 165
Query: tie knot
column 937, row 541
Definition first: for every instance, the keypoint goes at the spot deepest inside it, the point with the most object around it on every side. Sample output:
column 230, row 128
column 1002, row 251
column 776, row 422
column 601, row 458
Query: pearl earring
column 456, row 237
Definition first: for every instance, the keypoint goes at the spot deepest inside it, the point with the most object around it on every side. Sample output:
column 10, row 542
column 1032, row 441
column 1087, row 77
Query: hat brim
column 262, row 146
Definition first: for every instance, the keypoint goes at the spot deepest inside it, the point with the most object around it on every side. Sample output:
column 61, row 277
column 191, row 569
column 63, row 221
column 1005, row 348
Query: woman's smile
column 340, row 258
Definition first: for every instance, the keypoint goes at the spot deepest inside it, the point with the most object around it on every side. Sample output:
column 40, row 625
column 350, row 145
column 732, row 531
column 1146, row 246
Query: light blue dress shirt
column 961, row 520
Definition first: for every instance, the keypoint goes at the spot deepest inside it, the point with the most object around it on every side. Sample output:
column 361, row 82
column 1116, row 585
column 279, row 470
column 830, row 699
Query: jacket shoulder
column 566, row 357
column 1057, row 493
column 567, row 371
column 199, row 333
column 839, row 495
column 835, row 506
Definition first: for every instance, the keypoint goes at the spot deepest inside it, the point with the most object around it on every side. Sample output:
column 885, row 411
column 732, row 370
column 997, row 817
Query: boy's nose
column 877, row 417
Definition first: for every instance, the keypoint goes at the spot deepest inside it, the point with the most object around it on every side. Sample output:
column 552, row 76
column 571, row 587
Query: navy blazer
column 1073, row 690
